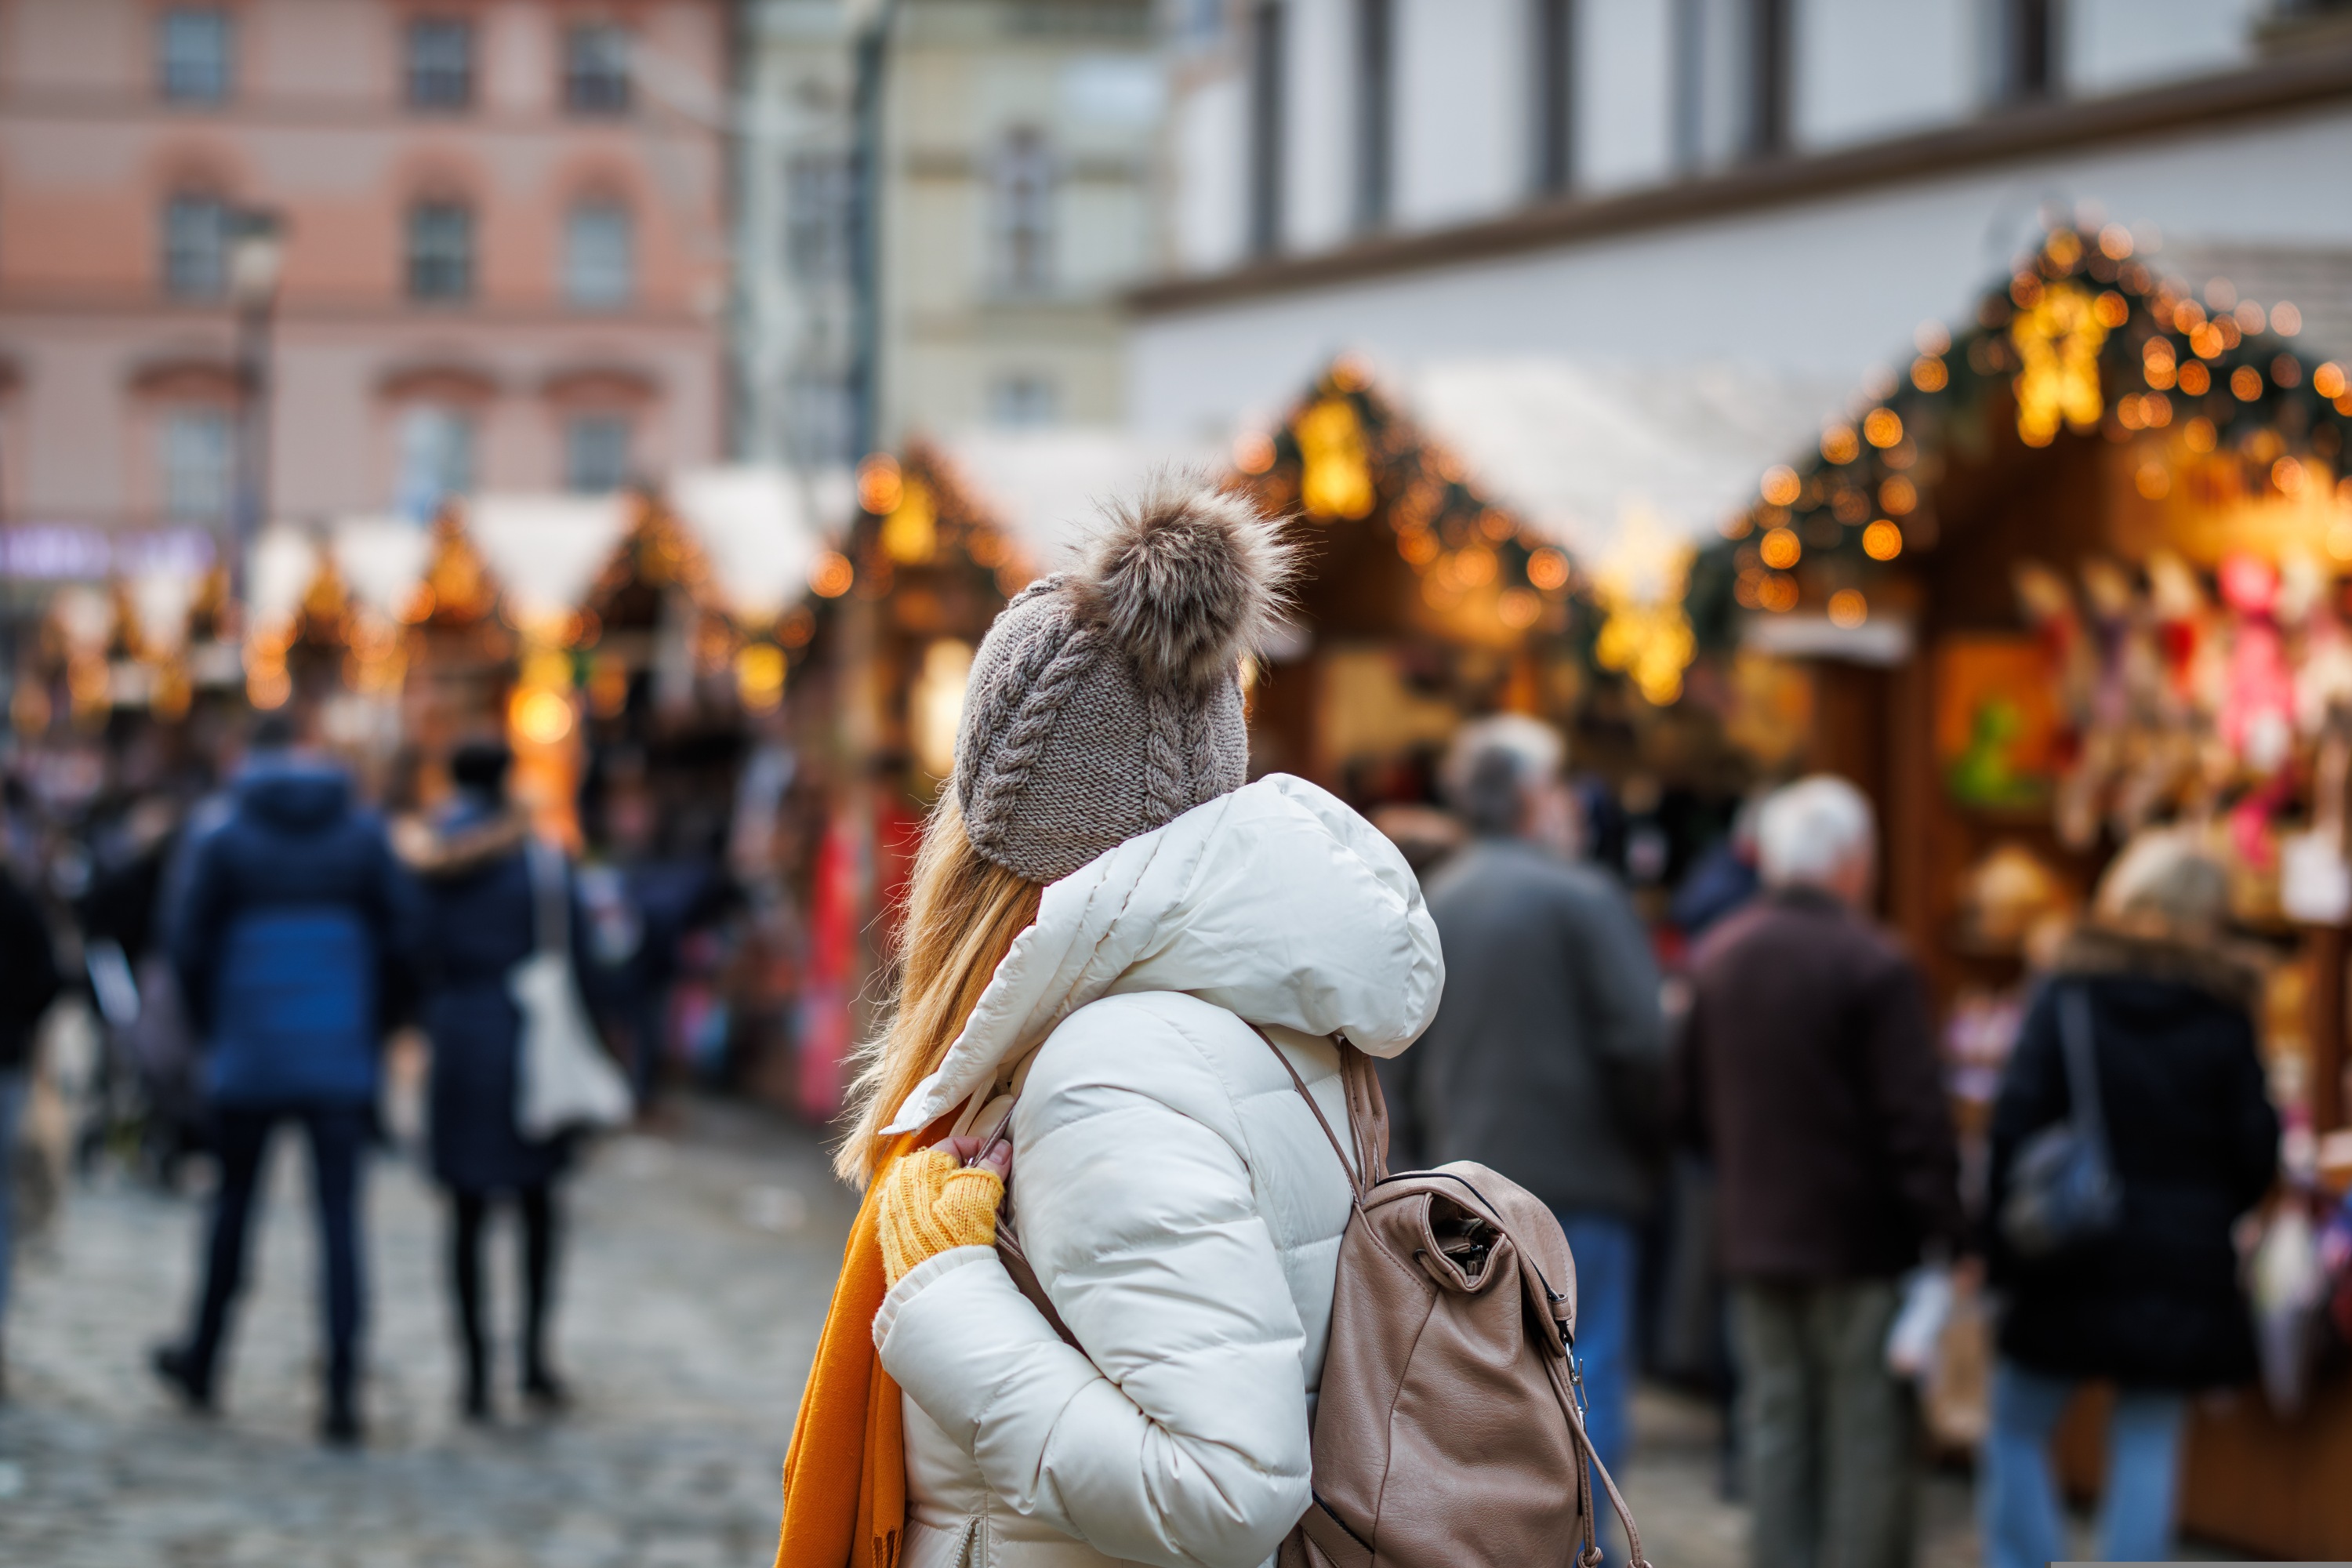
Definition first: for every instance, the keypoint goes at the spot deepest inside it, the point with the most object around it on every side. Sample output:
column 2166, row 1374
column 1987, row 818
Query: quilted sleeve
column 1185, row 1442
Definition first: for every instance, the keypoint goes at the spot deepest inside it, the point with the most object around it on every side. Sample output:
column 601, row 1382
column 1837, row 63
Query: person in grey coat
column 1546, row 1060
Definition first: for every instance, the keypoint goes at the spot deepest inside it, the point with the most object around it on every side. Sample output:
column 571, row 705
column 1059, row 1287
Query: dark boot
column 475, row 1403
column 190, row 1381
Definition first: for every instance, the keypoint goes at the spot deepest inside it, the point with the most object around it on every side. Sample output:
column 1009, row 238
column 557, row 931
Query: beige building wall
column 1019, row 148
column 99, row 355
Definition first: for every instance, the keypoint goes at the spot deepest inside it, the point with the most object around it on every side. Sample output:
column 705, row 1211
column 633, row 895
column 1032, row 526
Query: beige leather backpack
column 1449, row 1432
column 1450, row 1427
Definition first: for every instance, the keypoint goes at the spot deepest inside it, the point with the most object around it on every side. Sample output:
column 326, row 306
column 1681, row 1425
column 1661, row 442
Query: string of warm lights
column 2087, row 335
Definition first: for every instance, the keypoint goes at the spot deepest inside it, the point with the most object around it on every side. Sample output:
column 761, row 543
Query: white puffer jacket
column 1178, row 1201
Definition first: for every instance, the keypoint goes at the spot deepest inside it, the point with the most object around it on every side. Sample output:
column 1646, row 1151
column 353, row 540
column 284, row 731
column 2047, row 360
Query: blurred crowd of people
column 1767, row 1130
column 246, row 947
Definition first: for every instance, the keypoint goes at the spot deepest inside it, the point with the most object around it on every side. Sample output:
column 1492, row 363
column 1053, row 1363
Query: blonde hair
column 961, row 913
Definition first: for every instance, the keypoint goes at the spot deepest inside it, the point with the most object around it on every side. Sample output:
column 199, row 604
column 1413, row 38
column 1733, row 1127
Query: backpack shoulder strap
column 1360, row 1169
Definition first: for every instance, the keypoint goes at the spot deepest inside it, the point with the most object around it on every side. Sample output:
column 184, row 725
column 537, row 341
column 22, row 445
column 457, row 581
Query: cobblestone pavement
column 696, row 1275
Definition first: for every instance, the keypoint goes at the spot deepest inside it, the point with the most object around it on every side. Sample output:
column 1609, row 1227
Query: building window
column 599, row 261
column 1266, row 102
column 435, row 461
column 596, row 69
column 820, row 205
column 1768, row 30
column 596, row 453
column 193, row 55
column 1024, row 192
column 440, row 63
column 820, row 417
column 1554, row 29
column 198, row 460
column 195, row 247
column 2027, row 67
column 1024, row 401
column 1375, row 109
column 440, row 251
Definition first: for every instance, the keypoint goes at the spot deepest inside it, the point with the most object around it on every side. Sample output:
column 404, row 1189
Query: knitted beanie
column 1105, row 700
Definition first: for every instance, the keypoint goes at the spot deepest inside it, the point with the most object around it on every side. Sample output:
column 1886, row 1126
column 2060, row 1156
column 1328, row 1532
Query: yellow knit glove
column 929, row 1204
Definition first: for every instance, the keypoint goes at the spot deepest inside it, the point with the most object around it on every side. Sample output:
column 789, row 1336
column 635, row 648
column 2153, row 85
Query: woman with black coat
column 2152, row 1305
column 480, row 923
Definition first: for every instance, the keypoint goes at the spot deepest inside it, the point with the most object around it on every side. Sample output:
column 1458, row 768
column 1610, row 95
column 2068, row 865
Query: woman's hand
column 932, row 1201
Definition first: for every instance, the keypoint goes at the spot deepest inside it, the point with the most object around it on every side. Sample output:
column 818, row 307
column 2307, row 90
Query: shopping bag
column 1955, row 1396
column 567, row 1082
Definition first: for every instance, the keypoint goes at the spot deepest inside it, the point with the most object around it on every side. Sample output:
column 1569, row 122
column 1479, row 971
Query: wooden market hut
column 2078, row 569
column 1426, row 600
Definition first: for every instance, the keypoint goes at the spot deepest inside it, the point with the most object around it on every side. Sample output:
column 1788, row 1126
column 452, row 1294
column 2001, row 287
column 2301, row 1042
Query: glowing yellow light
column 1881, row 541
column 1840, row 444
column 1738, row 525
column 2110, row 310
column 2286, row 320
column 1779, row 486
column 910, row 534
column 1547, row 569
column 2339, row 540
column 1848, row 608
column 2198, row 434
column 1518, row 609
column 2065, row 248
column 1928, row 373
column 540, row 715
column 1780, row 549
column 2288, row 475
column 1253, row 451
column 1881, row 427
column 1776, row 594
column 935, row 706
column 2247, row 383
column 1474, row 567
column 1336, row 477
column 2152, row 481
column 1418, row 546
column 2115, row 241
column 878, row 483
column 2196, row 381
column 2328, row 381
column 760, row 676
column 1898, row 495
column 2057, row 341
column 831, row 576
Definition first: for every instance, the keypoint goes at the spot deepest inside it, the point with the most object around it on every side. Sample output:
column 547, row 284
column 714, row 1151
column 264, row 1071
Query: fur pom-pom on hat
column 1186, row 578
column 1105, row 701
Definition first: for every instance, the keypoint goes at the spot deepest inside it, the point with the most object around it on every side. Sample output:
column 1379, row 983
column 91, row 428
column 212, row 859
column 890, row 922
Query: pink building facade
column 503, row 258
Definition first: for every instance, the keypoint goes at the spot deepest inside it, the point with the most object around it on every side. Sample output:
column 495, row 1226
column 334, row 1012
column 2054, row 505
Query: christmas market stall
column 880, row 662
column 2078, row 567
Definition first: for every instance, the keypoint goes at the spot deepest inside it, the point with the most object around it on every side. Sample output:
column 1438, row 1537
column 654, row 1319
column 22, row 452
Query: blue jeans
column 2020, row 1515
column 12, row 1106
column 1608, row 1260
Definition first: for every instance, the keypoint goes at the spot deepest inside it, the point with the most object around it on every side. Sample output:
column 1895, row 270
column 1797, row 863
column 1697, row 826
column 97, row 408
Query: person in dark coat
column 291, row 938
column 481, row 923
column 1807, row 1073
column 1546, row 1059
column 28, row 984
column 2153, row 1306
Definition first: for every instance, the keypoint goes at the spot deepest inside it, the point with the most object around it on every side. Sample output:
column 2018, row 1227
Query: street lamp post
column 872, row 58
column 256, row 255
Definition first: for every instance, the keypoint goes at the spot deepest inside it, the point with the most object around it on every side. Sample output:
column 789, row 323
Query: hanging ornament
column 2057, row 339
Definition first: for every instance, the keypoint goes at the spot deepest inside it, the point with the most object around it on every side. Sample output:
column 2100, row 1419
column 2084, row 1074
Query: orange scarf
column 846, row 1473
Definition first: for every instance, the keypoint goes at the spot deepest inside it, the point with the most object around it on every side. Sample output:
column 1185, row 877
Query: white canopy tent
column 1048, row 486
column 759, row 528
column 546, row 549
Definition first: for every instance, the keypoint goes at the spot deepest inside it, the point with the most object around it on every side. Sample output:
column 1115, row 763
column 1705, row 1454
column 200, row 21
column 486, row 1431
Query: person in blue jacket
column 291, row 939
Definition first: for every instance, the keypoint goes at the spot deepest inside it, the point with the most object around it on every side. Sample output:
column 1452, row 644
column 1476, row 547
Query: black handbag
column 2062, row 1191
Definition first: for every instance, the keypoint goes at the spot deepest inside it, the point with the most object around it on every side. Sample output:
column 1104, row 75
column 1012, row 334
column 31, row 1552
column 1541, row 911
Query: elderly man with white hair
column 1808, row 1073
column 1546, row 1059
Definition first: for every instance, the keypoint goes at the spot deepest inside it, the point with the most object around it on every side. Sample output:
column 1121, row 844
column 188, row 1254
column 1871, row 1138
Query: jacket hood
column 294, row 793
column 2099, row 951
column 1275, row 902
column 470, row 835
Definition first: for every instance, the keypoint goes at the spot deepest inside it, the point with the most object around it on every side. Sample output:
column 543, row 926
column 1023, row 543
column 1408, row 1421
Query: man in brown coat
column 1808, row 1073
